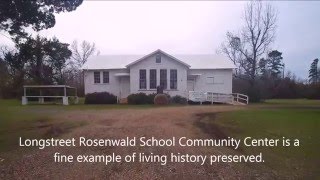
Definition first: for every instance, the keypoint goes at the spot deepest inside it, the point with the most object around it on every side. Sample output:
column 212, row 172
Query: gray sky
column 190, row 27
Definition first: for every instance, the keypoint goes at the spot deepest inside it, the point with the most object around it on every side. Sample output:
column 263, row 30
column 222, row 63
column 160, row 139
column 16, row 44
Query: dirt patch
column 54, row 131
column 205, row 122
column 107, row 122
column 180, row 124
column 166, row 122
column 41, row 123
column 50, row 128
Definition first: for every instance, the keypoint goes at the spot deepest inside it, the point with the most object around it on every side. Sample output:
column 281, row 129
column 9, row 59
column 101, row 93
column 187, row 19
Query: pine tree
column 314, row 72
column 263, row 67
column 275, row 63
column 272, row 66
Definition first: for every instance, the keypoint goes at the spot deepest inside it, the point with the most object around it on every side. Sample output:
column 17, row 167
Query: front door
column 190, row 84
column 124, row 86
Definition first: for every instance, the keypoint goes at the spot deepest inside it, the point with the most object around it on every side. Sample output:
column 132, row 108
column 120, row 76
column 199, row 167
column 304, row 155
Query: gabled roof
column 193, row 61
column 155, row 52
column 206, row 61
column 110, row 61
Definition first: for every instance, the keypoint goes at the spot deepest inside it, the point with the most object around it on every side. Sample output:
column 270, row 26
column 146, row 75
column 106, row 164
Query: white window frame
column 94, row 77
column 151, row 80
column 158, row 59
column 145, row 80
column 164, row 80
column 103, row 77
column 174, row 80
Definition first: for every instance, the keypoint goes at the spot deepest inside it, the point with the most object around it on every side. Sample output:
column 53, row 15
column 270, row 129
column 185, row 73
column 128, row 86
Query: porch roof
column 194, row 74
column 121, row 74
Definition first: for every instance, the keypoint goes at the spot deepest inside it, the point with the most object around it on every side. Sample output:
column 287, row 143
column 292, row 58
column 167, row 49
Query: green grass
column 272, row 119
column 299, row 121
column 80, row 106
column 24, row 121
column 293, row 102
column 27, row 121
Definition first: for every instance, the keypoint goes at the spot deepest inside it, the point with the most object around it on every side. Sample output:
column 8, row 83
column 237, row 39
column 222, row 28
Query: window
column 158, row 58
column 96, row 76
column 163, row 78
column 153, row 78
column 143, row 79
column 173, row 79
column 218, row 79
column 105, row 77
column 210, row 80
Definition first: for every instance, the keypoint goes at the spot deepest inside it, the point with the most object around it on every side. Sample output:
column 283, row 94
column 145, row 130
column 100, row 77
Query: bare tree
column 81, row 53
column 246, row 48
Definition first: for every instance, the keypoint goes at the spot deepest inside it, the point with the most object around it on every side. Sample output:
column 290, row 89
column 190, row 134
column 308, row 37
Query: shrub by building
column 161, row 99
column 139, row 98
column 100, row 98
column 178, row 100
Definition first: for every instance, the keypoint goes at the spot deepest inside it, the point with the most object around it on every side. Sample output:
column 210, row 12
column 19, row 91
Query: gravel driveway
column 164, row 122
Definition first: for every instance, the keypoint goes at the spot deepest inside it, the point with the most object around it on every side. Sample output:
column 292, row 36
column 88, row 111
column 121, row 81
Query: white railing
column 219, row 97
column 197, row 96
column 242, row 98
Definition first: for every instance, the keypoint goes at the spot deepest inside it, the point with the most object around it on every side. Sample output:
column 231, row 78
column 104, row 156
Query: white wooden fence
column 234, row 98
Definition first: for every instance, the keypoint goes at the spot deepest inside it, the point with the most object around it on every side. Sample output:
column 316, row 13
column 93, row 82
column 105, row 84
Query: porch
column 41, row 92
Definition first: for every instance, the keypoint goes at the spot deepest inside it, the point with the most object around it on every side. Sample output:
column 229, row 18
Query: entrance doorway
column 190, row 84
column 124, row 86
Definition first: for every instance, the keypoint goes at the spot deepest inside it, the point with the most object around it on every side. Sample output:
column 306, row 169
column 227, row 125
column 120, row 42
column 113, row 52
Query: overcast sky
column 190, row 27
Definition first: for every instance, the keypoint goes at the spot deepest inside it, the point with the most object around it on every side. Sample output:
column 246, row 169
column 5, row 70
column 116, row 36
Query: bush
column 161, row 99
column 100, row 98
column 178, row 100
column 313, row 91
column 139, row 98
column 254, row 94
column 151, row 98
column 142, row 98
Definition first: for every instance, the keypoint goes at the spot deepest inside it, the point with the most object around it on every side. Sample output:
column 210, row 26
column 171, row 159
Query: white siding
column 166, row 63
column 222, row 80
column 112, row 87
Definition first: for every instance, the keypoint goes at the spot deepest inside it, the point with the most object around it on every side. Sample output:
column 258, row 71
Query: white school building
column 185, row 75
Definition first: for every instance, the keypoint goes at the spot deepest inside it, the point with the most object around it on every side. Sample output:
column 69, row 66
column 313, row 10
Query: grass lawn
column 275, row 119
column 294, row 119
column 35, row 121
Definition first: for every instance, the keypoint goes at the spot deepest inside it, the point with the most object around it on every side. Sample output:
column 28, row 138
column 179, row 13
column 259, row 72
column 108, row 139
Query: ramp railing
column 197, row 96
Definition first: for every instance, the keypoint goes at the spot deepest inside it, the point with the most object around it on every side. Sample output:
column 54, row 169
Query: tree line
column 38, row 60
column 260, row 70
column 42, row 61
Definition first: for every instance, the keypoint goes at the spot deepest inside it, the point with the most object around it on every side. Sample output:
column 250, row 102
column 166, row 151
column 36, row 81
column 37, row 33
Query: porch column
column 65, row 100
column 24, row 99
column 41, row 99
